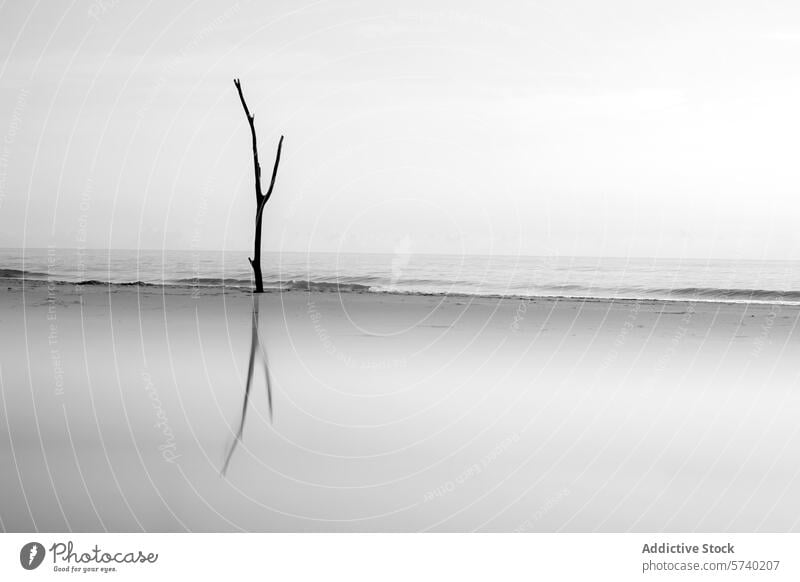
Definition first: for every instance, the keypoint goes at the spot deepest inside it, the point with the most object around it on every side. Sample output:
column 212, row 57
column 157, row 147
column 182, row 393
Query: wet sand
column 394, row 413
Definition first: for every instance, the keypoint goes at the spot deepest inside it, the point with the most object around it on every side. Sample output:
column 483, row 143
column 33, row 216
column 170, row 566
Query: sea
column 714, row 280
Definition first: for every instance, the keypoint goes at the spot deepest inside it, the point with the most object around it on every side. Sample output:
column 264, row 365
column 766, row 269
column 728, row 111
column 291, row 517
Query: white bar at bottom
column 404, row 557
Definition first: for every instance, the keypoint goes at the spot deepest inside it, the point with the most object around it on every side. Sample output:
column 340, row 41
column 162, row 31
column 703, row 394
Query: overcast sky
column 551, row 127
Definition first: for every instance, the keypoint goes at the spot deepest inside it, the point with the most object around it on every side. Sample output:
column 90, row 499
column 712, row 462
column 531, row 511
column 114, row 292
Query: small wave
column 92, row 282
column 211, row 281
column 734, row 294
column 324, row 286
column 20, row 274
column 343, row 285
column 685, row 293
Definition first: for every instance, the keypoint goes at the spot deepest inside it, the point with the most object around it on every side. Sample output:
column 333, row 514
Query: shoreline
column 15, row 284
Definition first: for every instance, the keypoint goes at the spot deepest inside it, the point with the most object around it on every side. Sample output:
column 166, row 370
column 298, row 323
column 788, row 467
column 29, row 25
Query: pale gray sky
column 600, row 128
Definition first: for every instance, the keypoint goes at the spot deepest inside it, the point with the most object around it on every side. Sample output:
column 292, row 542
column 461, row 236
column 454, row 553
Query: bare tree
column 261, row 198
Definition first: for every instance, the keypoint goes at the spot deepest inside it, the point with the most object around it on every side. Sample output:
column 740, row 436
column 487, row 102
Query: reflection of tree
column 255, row 346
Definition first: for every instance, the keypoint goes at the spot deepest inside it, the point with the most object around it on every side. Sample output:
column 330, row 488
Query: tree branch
column 251, row 121
column 274, row 170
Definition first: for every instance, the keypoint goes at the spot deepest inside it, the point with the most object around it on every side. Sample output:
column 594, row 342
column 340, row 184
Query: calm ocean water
column 591, row 277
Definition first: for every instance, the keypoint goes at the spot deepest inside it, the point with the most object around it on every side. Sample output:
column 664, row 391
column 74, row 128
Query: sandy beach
column 394, row 413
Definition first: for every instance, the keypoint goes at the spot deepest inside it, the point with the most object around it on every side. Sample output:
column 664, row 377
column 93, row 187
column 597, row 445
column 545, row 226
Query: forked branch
column 261, row 198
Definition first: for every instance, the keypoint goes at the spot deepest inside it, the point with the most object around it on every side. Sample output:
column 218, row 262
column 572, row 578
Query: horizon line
column 521, row 255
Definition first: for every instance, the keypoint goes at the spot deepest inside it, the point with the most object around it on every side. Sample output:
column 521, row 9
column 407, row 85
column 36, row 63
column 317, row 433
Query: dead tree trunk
column 261, row 198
